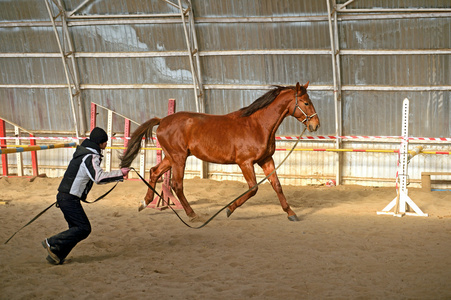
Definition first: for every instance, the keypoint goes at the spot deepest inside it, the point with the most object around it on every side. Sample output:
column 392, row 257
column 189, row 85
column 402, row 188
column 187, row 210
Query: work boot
column 52, row 257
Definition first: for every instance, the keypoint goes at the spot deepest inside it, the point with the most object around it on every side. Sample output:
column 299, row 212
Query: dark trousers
column 79, row 227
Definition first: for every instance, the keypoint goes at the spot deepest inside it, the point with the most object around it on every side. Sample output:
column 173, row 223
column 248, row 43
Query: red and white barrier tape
column 349, row 137
column 279, row 138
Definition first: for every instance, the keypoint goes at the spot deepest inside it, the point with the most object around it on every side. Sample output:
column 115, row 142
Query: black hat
column 98, row 136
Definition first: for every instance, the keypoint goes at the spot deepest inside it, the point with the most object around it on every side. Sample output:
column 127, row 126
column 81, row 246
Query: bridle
column 307, row 117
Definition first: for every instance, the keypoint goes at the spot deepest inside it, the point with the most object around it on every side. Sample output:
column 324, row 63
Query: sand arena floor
column 341, row 249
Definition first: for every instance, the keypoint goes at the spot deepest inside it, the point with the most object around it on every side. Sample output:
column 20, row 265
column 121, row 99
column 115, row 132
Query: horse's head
column 302, row 108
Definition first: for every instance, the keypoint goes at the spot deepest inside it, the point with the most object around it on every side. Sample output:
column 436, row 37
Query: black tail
column 134, row 145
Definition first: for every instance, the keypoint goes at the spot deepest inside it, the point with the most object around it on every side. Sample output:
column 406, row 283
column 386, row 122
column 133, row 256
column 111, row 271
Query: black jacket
column 84, row 169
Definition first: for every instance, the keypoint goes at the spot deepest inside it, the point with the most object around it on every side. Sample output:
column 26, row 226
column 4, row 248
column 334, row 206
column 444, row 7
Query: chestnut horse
column 244, row 137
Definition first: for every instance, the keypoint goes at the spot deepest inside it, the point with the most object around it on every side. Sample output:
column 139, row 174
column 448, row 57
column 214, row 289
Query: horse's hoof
column 293, row 218
column 229, row 212
column 193, row 218
column 142, row 205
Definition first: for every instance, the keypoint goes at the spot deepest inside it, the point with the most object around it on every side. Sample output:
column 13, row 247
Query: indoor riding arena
column 275, row 149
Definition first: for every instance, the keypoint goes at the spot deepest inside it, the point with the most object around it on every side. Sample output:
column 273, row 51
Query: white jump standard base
column 402, row 204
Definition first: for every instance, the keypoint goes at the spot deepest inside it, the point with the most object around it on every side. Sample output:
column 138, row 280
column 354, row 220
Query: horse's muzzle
column 313, row 127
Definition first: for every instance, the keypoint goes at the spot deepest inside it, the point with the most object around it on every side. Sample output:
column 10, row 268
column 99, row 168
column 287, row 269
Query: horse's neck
column 273, row 115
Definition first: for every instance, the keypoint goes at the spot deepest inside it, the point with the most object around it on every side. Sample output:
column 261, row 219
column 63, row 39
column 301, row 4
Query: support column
column 334, row 46
column 193, row 54
column 67, row 51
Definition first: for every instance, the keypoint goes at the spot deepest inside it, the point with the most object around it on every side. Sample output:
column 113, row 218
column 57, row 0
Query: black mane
column 264, row 101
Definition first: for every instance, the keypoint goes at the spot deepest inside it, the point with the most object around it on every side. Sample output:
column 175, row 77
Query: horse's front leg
column 268, row 167
column 155, row 173
column 249, row 175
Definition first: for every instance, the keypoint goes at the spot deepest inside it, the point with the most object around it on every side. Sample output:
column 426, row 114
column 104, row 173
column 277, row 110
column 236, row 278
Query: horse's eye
column 306, row 103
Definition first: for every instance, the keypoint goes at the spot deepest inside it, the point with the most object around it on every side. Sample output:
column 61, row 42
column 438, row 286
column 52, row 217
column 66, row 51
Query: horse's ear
column 306, row 85
column 298, row 87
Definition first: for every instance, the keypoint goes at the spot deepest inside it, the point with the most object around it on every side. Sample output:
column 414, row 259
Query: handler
column 83, row 170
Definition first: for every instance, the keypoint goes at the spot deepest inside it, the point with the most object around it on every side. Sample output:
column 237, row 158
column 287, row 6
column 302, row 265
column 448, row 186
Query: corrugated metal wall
column 33, row 93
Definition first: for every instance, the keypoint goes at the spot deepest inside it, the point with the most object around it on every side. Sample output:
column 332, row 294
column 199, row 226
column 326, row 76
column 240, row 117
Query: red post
column 93, row 115
column 126, row 132
column 126, row 135
column 171, row 110
column 167, row 175
column 171, row 106
column 166, row 193
column 3, row 145
column 34, row 156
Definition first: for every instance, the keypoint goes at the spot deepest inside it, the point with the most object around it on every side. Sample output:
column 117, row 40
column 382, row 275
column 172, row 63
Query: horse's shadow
column 255, row 217
column 302, row 208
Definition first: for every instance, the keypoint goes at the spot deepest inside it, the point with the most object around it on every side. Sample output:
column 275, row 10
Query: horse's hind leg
column 268, row 167
column 249, row 175
column 178, row 170
column 155, row 173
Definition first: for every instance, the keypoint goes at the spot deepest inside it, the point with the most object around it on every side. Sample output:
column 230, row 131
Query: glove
column 125, row 171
